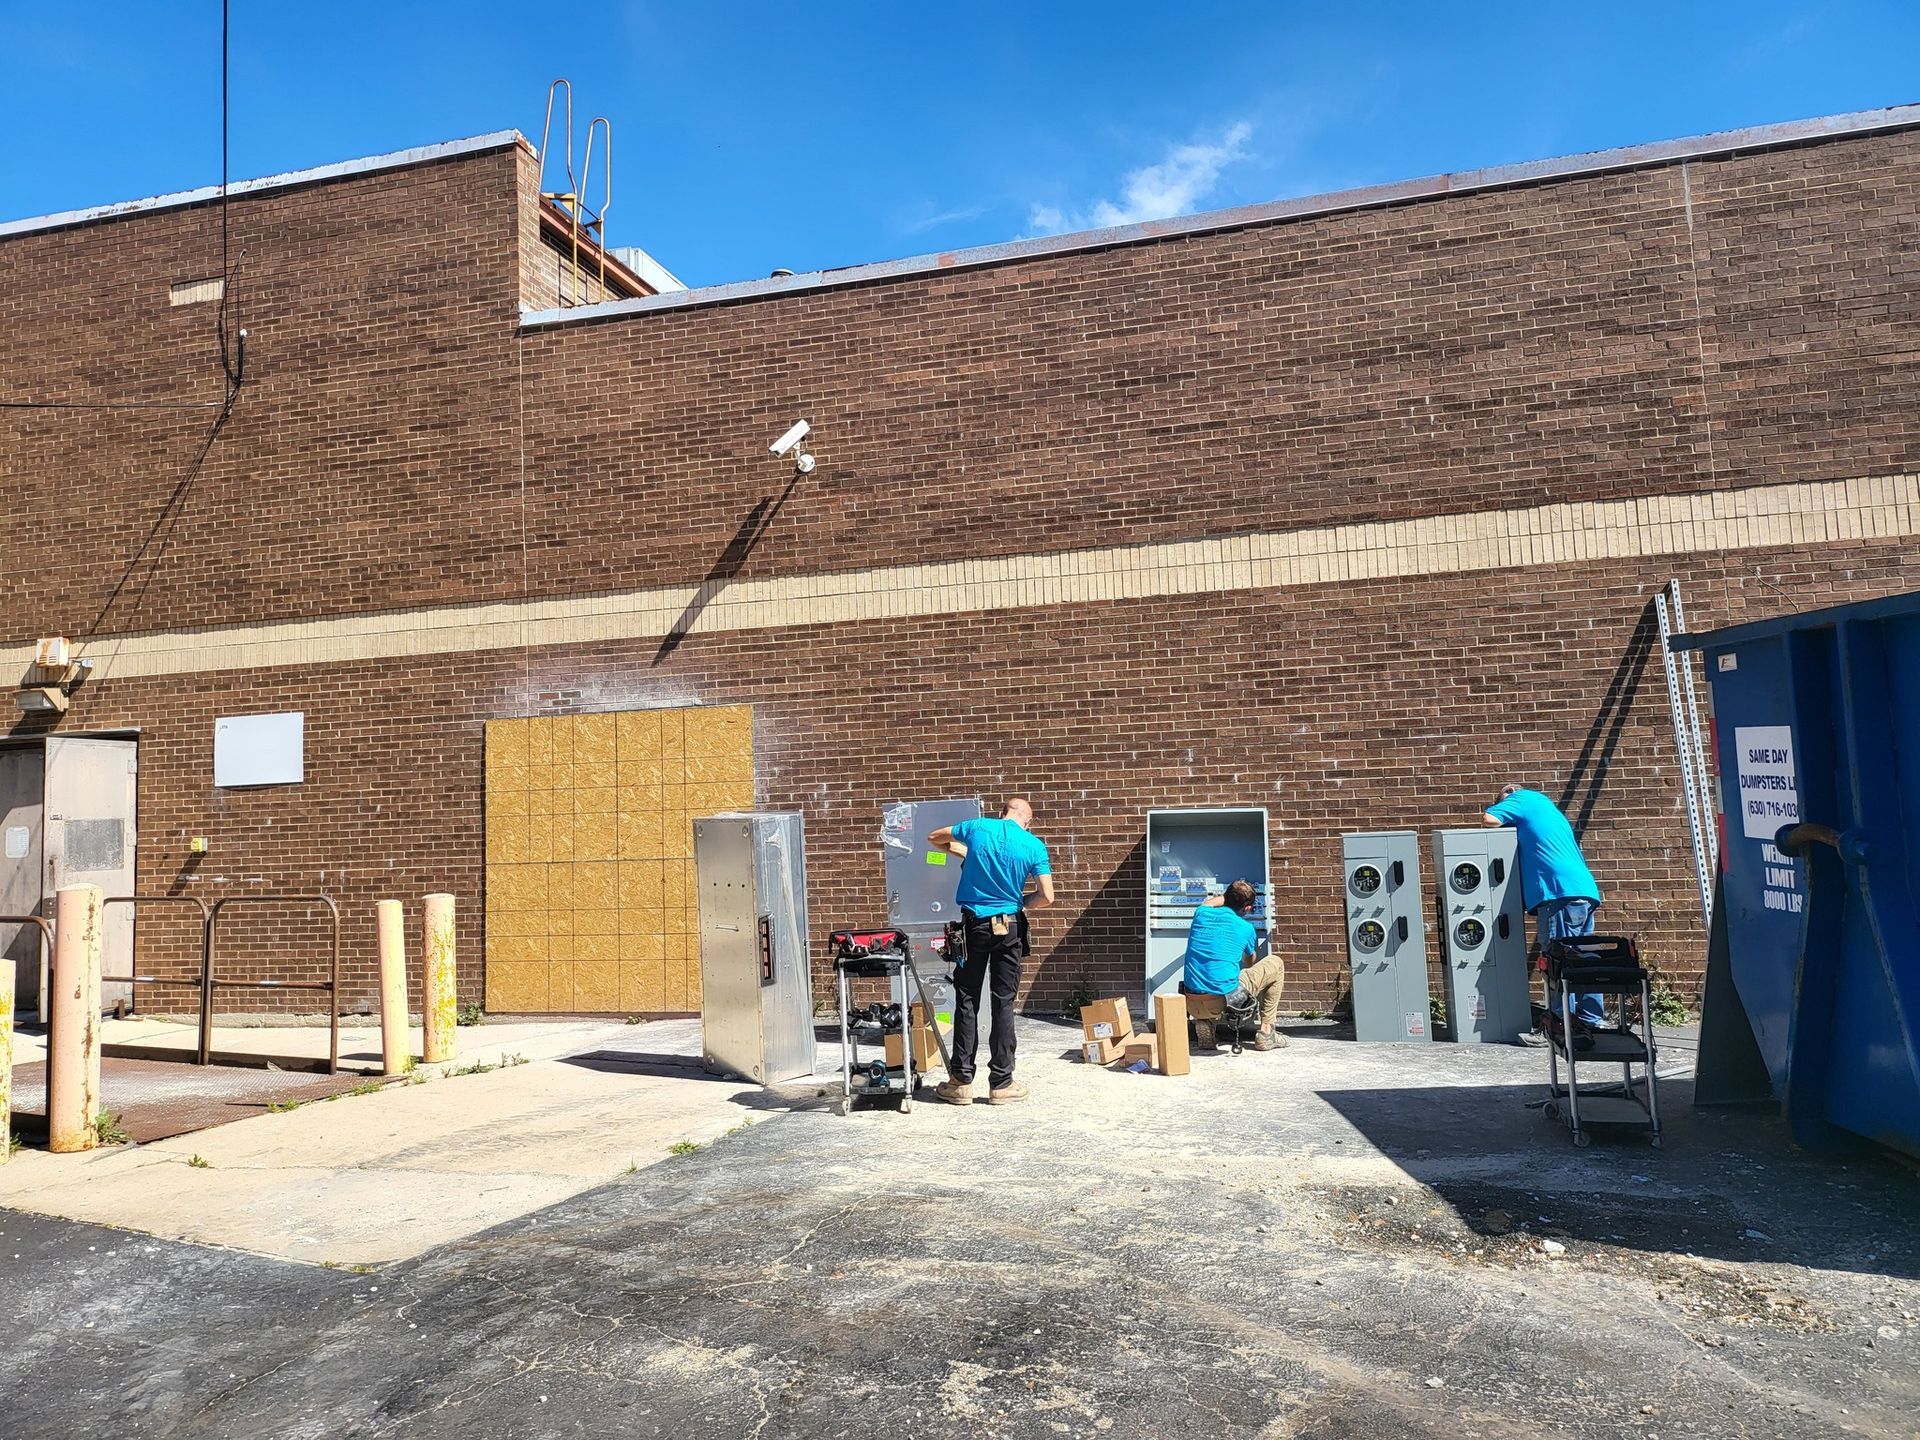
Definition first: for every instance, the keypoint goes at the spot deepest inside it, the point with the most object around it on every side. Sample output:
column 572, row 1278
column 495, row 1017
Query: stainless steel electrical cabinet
column 756, row 992
column 1386, row 936
column 1192, row 855
column 1483, row 934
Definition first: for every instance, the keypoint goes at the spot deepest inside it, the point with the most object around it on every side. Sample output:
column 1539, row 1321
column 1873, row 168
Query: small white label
column 1727, row 662
column 1416, row 1023
column 1103, row 1030
column 17, row 838
column 1093, row 1052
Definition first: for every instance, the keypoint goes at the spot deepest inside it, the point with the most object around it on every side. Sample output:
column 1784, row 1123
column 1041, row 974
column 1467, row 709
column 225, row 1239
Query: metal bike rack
column 331, row 985
column 46, row 954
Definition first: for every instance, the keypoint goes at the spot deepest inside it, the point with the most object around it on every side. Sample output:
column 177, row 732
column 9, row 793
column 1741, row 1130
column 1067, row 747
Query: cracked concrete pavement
column 1332, row 1240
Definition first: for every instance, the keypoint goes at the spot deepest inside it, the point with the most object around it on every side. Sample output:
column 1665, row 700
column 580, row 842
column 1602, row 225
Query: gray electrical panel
column 1386, row 936
column 756, row 991
column 920, row 879
column 1483, row 934
column 921, row 885
column 1192, row 855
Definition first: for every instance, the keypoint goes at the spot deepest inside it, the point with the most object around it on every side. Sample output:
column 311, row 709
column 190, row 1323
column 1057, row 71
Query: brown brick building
column 1350, row 507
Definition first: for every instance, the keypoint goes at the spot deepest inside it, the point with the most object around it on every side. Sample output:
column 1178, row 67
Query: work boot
column 954, row 1092
column 1006, row 1094
column 1269, row 1040
column 1203, row 1038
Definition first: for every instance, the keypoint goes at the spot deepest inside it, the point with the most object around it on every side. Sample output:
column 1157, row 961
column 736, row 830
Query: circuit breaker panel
column 1483, row 934
column 1386, row 938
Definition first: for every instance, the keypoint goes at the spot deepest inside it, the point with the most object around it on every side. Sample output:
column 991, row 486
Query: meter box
column 1192, row 855
column 1483, row 934
column 756, row 990
column 1386, row 936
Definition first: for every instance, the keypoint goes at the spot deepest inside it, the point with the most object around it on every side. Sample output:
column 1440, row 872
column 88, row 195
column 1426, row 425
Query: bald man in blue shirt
column 1004, row 872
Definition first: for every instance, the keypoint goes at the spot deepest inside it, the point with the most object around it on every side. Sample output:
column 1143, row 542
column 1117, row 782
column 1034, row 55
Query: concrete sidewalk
column 366, row 1178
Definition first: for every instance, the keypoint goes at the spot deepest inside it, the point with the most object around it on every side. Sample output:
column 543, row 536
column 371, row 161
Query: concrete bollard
column 6, row 1059
column 73, row 1034
column 395, row 1052
column 437, row 984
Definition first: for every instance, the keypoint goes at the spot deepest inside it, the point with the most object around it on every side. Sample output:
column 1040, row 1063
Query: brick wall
column 1732, row 322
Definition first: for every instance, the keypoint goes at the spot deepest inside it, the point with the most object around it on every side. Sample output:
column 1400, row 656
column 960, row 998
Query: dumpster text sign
column 1769, row 794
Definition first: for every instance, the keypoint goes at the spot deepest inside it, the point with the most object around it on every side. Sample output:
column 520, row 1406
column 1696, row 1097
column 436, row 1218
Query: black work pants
column 995, row 959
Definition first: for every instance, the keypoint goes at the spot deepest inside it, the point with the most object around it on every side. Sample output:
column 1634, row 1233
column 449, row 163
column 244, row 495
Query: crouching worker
column 1222, row 973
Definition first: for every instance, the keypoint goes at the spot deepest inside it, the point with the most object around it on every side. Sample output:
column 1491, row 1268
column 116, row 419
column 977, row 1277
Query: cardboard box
column 1138, row 1048
column 926, row 1051
column 1106, row 1019
column 1100, row 1052
column 1170, row 1029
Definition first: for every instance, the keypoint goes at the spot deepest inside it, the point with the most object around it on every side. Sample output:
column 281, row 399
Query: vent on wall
column 195, row 292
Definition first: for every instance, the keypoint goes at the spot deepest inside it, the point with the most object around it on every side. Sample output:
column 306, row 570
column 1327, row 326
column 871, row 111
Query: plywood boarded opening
column 590, row 894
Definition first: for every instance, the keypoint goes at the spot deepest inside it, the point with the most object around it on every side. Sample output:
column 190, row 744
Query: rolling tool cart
column 879, row 955
column 1609, row 966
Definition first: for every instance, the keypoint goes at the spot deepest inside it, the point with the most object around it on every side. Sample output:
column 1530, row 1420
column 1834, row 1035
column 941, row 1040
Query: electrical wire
column 232, row 366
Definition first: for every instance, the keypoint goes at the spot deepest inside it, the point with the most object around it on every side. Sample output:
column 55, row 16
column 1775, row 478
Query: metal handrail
column 331, row 985
column 46, row 954
column 132, row 978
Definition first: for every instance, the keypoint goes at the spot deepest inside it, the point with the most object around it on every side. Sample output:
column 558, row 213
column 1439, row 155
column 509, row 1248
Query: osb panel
column 590, row 894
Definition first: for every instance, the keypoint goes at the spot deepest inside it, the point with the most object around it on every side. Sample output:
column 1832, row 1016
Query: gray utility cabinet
column 921, row 885
column 756, row 992
column 1191, row 855
column 1483, row 934
column 1386, row 936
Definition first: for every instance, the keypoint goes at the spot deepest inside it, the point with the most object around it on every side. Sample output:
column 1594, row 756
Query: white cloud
column 1177, row 185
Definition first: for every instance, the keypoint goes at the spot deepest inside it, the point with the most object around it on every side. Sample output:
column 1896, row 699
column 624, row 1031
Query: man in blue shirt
column 1004, row 872
column 1221, row 946
column 1560, row 890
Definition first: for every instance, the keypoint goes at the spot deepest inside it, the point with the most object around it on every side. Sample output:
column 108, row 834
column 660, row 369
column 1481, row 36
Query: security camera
column 801, row 429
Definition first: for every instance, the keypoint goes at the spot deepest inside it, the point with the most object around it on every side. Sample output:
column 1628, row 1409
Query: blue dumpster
column 1816, row 722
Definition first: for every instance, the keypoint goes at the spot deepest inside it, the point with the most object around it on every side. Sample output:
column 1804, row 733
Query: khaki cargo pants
column 1264, row 980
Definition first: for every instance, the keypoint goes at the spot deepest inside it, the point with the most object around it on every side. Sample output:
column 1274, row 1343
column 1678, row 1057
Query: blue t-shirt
column 1001, row 858
column 1217, row 943
column 1551, row 865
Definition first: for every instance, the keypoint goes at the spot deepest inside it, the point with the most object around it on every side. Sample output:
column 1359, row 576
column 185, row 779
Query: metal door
column 21, row 770
column 89, row 837
column 731, row 976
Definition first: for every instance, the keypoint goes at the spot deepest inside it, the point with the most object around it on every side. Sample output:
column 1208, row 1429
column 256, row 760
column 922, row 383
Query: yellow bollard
column 437, row 987
column 396, row 1054
column 73, row 1035
column 6, row 1059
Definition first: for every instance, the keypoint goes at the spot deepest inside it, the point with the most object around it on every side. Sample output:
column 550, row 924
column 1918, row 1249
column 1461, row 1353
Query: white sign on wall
column 1769, row 789
column 259, row 750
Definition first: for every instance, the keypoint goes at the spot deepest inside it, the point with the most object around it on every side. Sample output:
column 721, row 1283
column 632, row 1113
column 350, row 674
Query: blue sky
column 752, row 135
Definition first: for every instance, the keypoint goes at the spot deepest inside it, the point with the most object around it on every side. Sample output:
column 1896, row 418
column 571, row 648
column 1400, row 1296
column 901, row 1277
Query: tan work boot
column 1203, row 1038
column 1269, row 1040
column 1006, row 1094
column 954, row 1092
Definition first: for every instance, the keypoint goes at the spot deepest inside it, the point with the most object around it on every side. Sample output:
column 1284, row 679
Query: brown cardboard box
column 926, row 1051
column 1106, row 1019
column 1138, row 1048
column 1100, row 1052
column 1170, row 1029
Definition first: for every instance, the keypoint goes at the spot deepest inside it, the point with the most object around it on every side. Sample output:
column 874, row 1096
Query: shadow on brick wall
column 1582, row 791
column 732, row 560
column 1105, row 945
